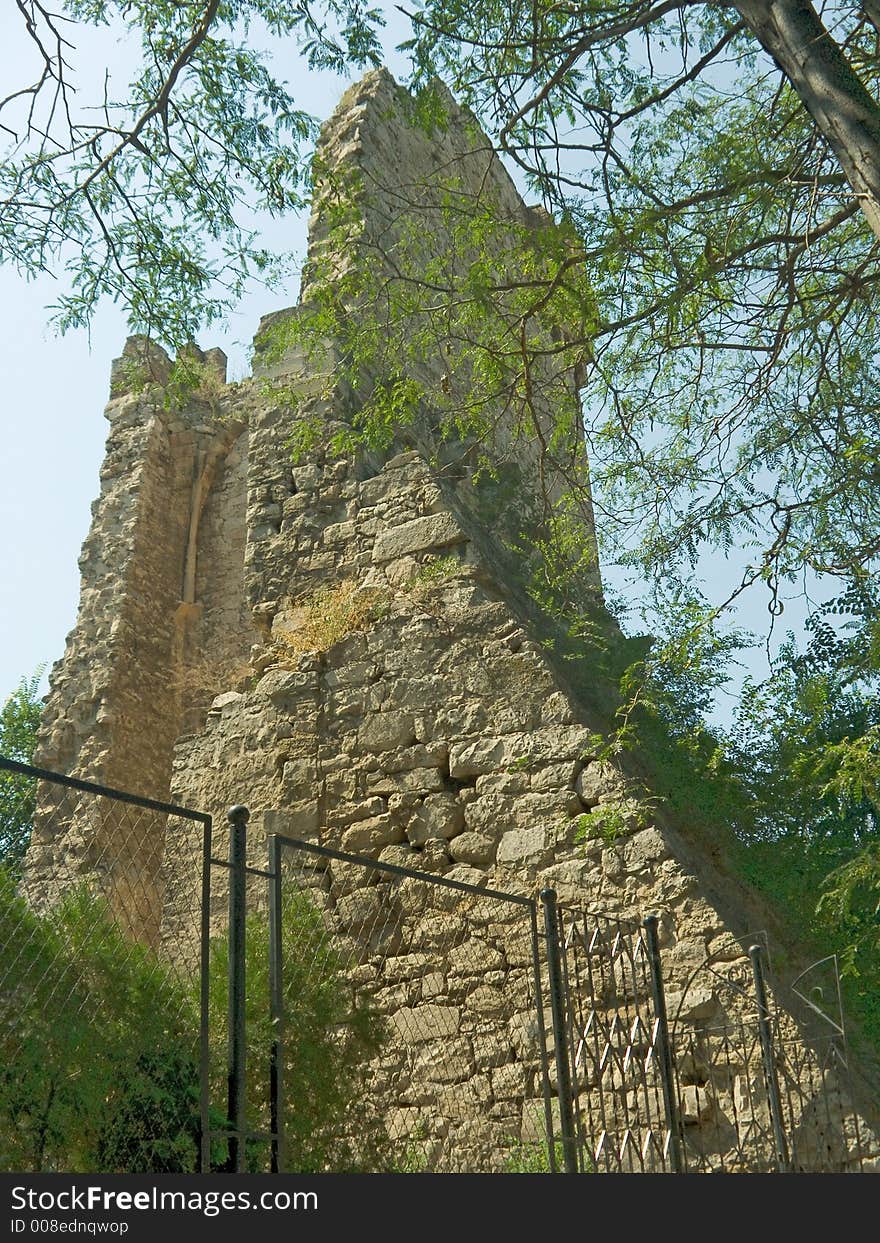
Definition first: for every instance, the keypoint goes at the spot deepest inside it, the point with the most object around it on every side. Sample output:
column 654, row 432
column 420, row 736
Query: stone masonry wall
column 147, row 649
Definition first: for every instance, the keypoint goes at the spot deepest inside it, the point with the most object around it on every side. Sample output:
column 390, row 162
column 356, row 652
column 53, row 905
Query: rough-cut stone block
column 488, row 1000
column 410, row 462
column 364, row 907
column 725, row 948
column 697, row 1004
column 416, row 781
column 572, row 874
column 472, row 848
column 358, row 673
column 372, row 834
column 416, row 1024
column 440, row 815
column 697, row 1104
column 483, row 755
column 522, row 846
column 490, row 814
column 557, row 710
column 386, row 731
column 508, row 1082
column 645, row 848
column 297, row 820
column 554, row 776
column 226, row 701
column 420, row 756
column 343, row 815
column 419, row 535
column 437, row 932
column 300, row 772
column 433, row 984
column 401, row 1123
column 340, row 533
column 452, row 1063
column 596, row 781
column 502, row 783
column 475, row 957
column 283, row 686
column 491, row 1048
column 518, row 752
column 685, row 956
column 400, row 856
column 467, row 875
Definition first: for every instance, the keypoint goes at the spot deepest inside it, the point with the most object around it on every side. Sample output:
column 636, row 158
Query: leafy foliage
column 807, row 748
column 787, row 796
column 329, row 1037
column 19, row 722
column 98, row 1046
column 145, row 191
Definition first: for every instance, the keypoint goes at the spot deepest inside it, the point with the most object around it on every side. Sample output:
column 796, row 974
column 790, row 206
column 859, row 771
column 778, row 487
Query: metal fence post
column 664, row 1049
column 205, row 1003
column 542, row 1037
column 238, row 817
column 557, row 1010
column 765, row 1035
column 276, row 1007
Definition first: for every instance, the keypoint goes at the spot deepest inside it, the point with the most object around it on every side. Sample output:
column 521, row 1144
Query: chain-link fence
column 334, row 1012
column 760, row 1089
column 102, row 1031
column 408, row 1021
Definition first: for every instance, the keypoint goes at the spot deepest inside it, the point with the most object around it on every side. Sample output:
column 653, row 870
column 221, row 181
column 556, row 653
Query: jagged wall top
column 401, row 159
column 422, row 271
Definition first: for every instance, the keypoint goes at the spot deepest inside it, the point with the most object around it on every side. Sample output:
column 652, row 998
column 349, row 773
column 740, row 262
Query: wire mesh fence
column 334, row 1012
column 769, row 1090
column 408, row 1019
column 100, row 1031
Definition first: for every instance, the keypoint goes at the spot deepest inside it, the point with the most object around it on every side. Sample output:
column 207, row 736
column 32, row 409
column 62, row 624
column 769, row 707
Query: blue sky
column 55, row 389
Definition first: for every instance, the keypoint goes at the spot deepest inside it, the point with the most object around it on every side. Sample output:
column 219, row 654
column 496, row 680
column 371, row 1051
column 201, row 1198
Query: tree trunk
column 792, row 32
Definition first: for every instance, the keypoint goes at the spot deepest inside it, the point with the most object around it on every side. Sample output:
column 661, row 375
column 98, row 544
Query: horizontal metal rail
column 224, row 863
column 394, row 870
column 92, row 787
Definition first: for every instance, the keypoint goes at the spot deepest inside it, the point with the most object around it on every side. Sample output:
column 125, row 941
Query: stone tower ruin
column 344, row 641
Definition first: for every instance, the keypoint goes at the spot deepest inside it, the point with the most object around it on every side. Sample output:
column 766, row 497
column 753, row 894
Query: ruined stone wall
column 393, row 190
column 398, row 702
column 162, row 626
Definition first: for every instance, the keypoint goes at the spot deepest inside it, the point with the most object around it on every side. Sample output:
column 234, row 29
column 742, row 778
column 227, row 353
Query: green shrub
column 19, row 722
column 98, row 1045
column 330, row 1121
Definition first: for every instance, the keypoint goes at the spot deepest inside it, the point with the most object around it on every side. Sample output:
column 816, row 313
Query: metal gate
column 617, row 1071
column 769, row 1090
column 447, row 1031
column 728, row 1082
